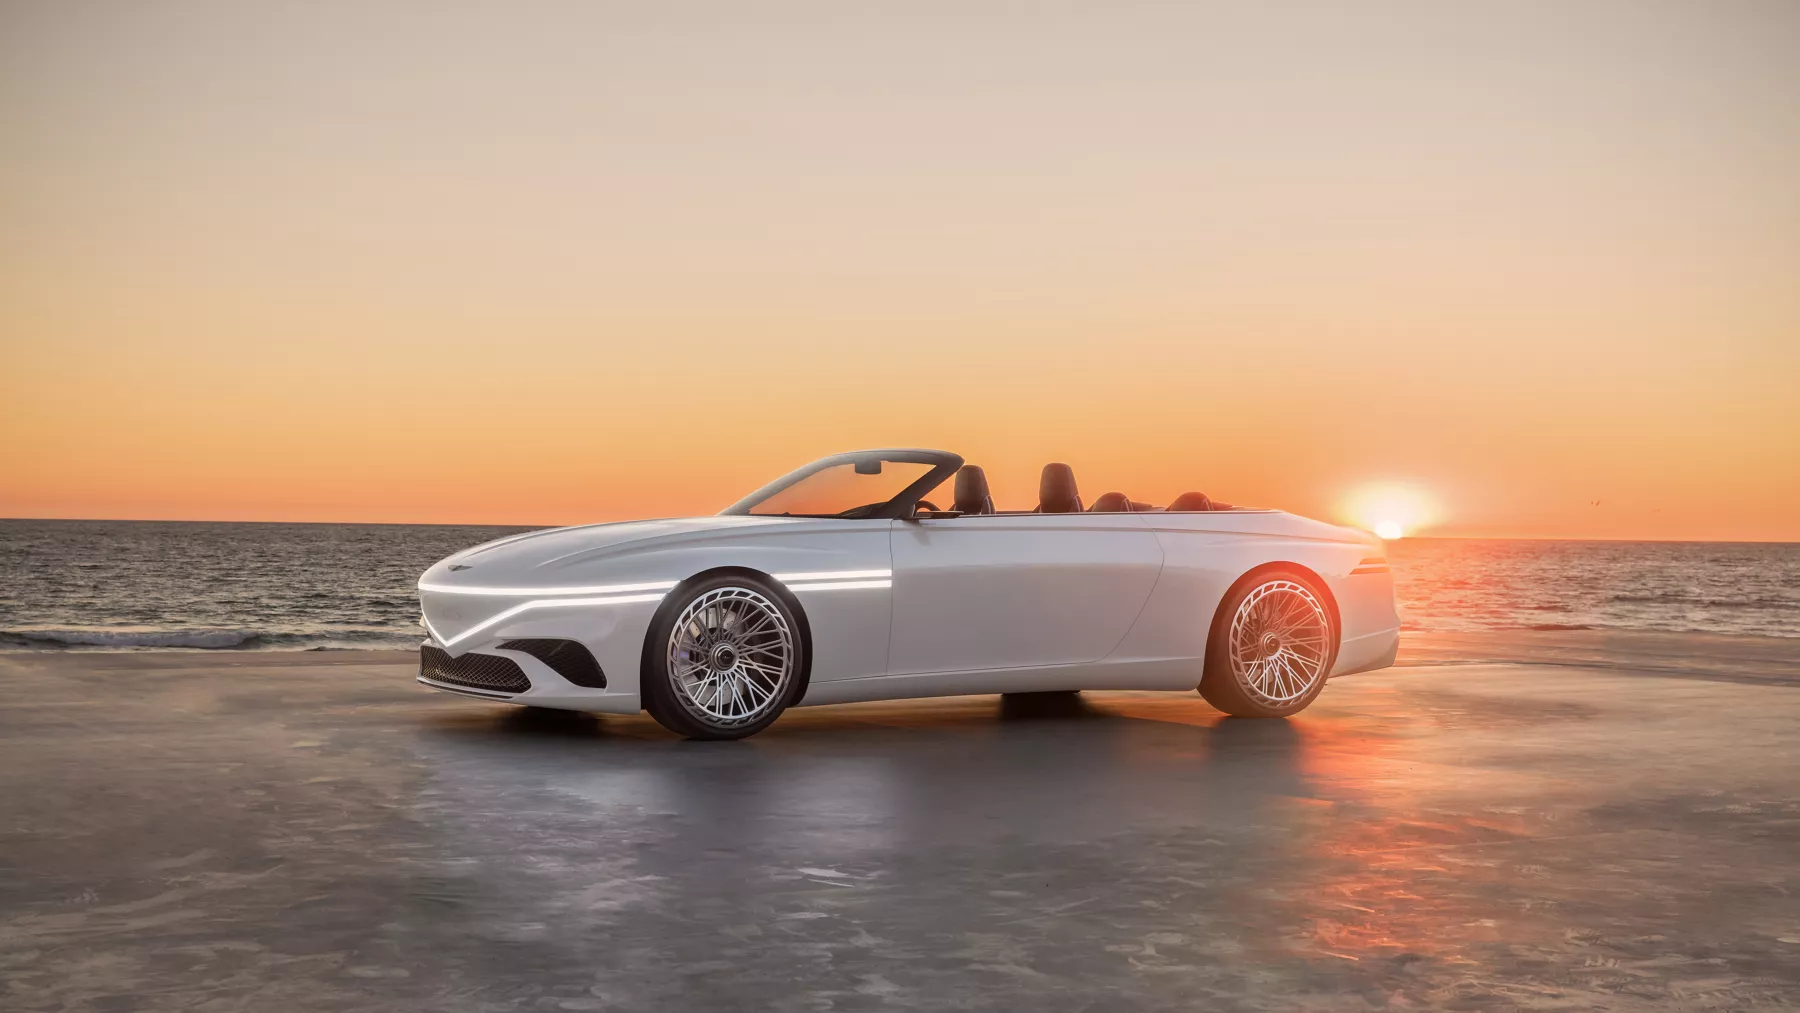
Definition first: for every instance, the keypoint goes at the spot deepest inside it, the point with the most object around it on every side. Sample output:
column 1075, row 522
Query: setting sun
column 1390, row 509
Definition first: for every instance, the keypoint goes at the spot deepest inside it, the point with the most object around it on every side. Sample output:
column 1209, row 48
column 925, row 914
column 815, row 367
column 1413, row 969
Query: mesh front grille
column 476, row 671
column 567, row 658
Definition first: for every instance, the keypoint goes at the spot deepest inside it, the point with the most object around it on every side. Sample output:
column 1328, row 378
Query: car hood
column 553, row 555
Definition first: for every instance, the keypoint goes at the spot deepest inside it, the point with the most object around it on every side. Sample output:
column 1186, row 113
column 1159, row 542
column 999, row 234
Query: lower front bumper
column 473, row 674
column 465, row 691
column 483, row 673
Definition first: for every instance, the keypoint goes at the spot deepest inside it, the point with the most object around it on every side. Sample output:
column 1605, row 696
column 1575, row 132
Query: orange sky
column 548, row 263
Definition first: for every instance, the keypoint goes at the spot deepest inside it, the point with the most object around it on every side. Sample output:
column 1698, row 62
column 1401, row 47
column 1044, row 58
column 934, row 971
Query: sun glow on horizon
column 1390, row 509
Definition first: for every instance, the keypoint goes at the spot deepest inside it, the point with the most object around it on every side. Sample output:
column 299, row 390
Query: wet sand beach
column 1561, row 820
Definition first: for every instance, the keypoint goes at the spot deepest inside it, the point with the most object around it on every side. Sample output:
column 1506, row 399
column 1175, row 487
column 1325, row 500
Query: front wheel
column 725, row 659
column 1272, row 644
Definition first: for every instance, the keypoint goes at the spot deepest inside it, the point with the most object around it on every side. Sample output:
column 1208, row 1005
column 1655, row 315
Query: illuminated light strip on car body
column 654, row 585
column 520, row 592
column 789, row 578
column 548, row 603
column 618, row 594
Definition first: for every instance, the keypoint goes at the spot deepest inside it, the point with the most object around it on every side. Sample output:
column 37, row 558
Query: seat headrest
column 1111, row 503
column 972, row 496
column 1056, row 490
column 1189, row 502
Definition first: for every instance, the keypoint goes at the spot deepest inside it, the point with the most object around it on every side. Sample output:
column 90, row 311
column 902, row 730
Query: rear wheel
column 726, row 659
column 1272, row 644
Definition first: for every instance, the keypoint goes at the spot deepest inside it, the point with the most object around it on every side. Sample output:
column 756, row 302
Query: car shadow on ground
column 513, row 722
column 968, row 770
column 1048, row 707
column 1159, row 722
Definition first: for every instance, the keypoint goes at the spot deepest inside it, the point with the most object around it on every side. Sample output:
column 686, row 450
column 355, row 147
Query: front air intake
column 567, row 658
column 484, row 672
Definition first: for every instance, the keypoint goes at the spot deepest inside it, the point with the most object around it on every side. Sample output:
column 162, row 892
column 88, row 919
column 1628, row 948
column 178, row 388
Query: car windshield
column 848, row 489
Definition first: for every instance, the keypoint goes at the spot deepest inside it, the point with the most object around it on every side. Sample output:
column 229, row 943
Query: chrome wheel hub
column 1279, row 642
column 731, row 656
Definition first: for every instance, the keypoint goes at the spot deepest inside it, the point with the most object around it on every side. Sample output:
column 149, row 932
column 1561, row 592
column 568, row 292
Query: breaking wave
column 202, row 639
column 203, row 586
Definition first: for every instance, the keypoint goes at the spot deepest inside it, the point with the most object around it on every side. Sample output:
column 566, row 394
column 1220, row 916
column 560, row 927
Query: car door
column 1004, row 591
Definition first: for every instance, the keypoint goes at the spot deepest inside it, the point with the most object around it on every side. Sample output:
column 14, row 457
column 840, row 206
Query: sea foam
column 208, row 639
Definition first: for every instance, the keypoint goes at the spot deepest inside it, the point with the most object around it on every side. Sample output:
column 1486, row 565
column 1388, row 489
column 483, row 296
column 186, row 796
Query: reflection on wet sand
column 312, row 830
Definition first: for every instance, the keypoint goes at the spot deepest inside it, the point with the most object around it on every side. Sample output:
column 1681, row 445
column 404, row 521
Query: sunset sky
column 561, row 262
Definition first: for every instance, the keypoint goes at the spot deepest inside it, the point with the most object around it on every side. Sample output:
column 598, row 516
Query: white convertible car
column 844, row 581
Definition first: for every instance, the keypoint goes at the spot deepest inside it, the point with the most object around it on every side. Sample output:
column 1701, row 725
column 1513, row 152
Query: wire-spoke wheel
column 730, row 659
column 1272, row 646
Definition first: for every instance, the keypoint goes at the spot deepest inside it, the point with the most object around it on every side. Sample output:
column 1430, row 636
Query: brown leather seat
column 1194, row 502
column 972, row 496
column 1056, row 490
column 1111, row 503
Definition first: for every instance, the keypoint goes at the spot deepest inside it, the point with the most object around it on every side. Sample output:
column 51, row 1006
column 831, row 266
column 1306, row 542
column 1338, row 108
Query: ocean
column 149, row 585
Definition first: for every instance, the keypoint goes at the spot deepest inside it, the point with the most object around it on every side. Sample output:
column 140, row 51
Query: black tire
column 1235, row 690
column 677, row 707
